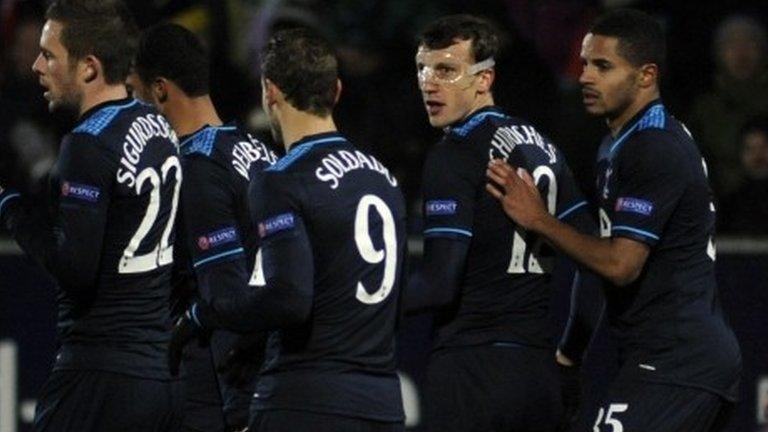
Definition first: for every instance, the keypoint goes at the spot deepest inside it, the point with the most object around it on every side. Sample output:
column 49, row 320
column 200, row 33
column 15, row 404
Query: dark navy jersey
column 218, row 165
column 349, row 209
column 108, row 238
column 504, row 288
column 218, row 244
column 652, row 186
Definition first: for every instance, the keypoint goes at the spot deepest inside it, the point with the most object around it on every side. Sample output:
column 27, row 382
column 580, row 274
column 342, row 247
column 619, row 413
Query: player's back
column 215, row 255
column 504, row 296
column 219, row 163
column 342, row 359
column 653, row 189
column 123, row 325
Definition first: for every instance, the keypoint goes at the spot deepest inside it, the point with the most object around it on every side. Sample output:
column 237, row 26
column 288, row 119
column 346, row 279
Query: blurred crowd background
column 716, row 82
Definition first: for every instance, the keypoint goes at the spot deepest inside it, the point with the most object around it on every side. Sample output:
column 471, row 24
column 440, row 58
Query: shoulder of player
column 116, row 124
column 266, row 184
column 119, row 116
column 82, row 139
column 654, row 142
column 210, row 142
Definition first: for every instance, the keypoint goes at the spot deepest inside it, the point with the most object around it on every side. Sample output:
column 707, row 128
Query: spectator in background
column 745, row 211
column 27, row 137
column 740, row 92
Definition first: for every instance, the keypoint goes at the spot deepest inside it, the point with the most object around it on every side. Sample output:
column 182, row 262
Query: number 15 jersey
column 652, row 186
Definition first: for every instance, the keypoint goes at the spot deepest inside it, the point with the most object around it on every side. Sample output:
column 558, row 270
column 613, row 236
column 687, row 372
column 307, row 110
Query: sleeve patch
column 275, row 224
column 441, row 207
column 217, row 238
column 634, row 205
column 80, row 191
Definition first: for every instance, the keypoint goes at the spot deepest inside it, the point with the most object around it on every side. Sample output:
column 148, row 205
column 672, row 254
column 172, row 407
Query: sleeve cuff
column 447, row 232
column 5, row 198
column 633, row 233
column 223, row 256
column 572, row 210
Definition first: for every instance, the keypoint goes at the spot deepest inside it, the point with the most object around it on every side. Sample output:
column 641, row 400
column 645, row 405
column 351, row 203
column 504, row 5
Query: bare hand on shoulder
column 516, row 191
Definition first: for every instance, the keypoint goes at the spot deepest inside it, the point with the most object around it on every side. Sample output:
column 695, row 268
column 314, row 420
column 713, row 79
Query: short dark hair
column 172, row 52
column 641, row 38
column 304, row 67
column 444, row 32
column 102, row 28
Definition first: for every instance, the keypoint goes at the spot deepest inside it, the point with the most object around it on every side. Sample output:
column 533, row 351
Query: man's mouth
column 589, row 96
column 434, row 107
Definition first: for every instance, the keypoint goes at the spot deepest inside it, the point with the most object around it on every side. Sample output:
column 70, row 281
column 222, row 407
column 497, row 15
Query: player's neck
column 298, row 124
column 188, row 115
column 482, row 101
column 105, row 93
column 617, row 123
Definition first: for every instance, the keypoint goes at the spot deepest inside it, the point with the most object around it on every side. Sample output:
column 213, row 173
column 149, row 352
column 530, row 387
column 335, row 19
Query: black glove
column 570, row 387
column 244, row 359
column 187, row 328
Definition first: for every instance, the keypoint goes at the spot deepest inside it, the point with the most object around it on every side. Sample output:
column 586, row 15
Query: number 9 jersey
column 108, row 238
column 346, row 206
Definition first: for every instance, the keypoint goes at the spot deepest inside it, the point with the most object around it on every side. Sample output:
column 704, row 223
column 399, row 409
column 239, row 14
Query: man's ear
column 339, row 87
column 90, row 68
column 271, row 92
column 160, row 89
column 649, row 75
column 485, row 80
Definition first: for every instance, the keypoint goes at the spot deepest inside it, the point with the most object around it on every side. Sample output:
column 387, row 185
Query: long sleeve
column 68, row 244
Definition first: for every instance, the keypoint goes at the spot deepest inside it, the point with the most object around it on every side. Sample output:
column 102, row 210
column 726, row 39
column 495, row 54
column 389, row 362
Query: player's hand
column 570, row 387
column 517, row 193
column 243, row 360
column 186, row 329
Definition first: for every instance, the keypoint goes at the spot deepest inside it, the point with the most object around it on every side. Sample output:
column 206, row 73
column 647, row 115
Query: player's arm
column 449, row 188
column 617, row 259
column 68, row 243
column 212, row 233
column 587, row 302
column 652, row 184
column 436, row 284
column 218, row 257
column 286, row 298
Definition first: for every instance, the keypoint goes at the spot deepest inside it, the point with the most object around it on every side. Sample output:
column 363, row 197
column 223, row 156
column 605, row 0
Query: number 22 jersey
column 107, row 238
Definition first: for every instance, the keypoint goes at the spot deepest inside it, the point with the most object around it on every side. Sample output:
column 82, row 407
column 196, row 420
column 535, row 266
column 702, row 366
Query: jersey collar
column 631, row 126
column 186, row 139
column 465, row 126
column 124, row 103
column 311, row 141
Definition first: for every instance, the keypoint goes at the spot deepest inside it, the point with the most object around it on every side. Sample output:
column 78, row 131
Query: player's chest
column 607, row 183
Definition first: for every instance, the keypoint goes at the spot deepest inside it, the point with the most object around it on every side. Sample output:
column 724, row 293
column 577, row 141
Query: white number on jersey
column 162, row 253
column 257, row 277
column 605, row 224
column 614, row 423
column 711, row 249
column 519, row 246
column 369, row 253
